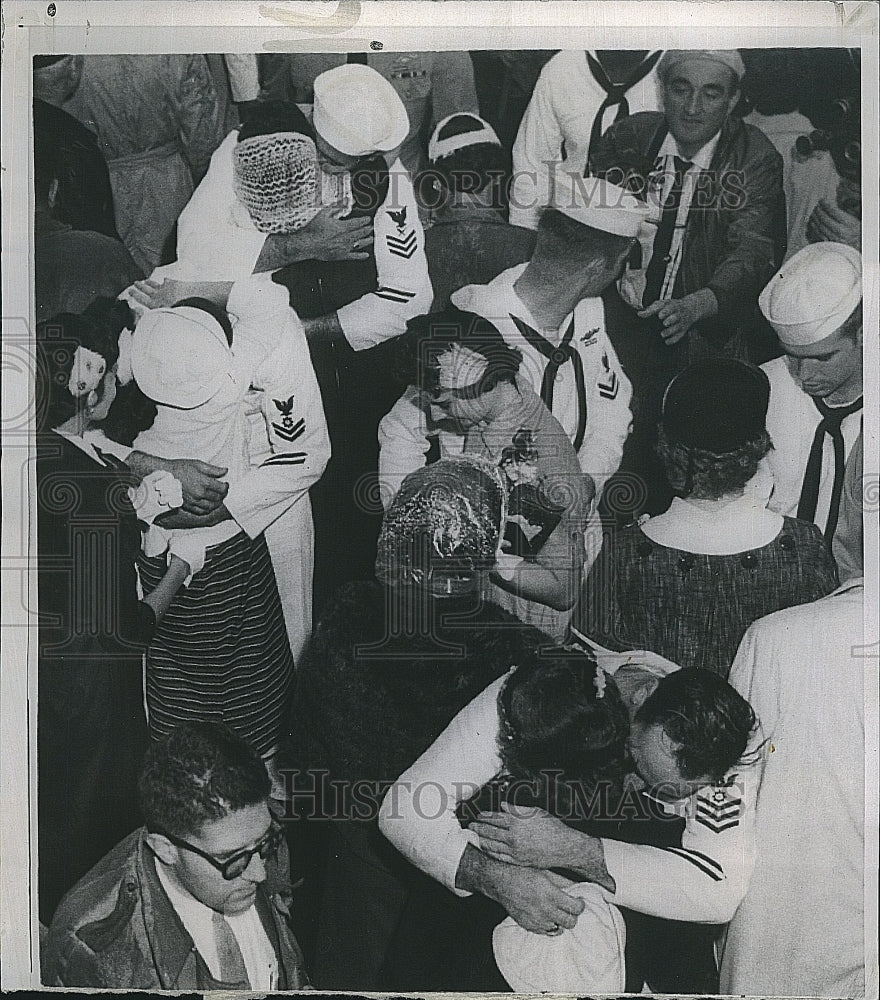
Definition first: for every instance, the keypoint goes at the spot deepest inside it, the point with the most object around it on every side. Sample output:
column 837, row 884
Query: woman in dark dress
column 688, row 583
column 389, row 665
column 91, row 727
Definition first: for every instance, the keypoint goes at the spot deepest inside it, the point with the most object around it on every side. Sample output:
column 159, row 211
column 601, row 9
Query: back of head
column 589, row 221
column 199, row 773
column 443, row 527
column 467, row 157
column 712, row 429
column 705, row 717
column 588, row 229
column 275, row 177
column 562, row 723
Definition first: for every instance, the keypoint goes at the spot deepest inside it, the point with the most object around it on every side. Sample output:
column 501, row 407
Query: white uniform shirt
column 704, row 880
column 800, row 929
column 607, row 390
column 217, row 241
column 256, row 949
column 557, row 126
column 792, row 419
column 269, row 354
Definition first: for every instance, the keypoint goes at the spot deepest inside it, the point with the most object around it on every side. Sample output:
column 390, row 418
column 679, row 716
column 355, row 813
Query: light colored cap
column 595, row 202
column 358, row 112
column 726, row 57
column 478, row 133
column 179, row 356
column 813, row 294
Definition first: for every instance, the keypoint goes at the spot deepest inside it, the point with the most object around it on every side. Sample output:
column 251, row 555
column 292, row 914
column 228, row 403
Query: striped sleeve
column 705, row 878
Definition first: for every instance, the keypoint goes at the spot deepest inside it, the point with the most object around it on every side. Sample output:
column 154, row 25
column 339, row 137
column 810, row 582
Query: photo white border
column 349, row 25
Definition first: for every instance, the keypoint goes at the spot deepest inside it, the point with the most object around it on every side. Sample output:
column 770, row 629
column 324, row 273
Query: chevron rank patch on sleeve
column 719, row 809
column 608, row 385
column 403, row 246
column 287, row 428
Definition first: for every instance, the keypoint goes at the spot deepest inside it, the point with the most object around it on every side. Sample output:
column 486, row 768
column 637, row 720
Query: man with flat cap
column 550, row 310
column 714, row 236
column 814, row 304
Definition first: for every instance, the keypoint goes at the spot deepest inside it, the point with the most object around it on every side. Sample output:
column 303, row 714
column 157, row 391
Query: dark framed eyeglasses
column 231, row 868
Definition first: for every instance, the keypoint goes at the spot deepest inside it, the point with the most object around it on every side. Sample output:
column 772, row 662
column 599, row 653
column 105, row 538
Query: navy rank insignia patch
column 590, row 337
column 287, row 428
column 719, row 809
column 398, row 218
column 403, row 246
column 608, row 385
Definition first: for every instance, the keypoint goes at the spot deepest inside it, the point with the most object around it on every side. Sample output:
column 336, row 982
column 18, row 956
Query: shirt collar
column 191, row 910
column 702, row 158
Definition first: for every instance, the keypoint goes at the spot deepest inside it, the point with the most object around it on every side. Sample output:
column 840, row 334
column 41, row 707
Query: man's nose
column 695, row 104
column 256, row 870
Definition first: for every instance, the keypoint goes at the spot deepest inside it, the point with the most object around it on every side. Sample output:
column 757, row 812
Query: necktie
column 557, row 356
column 656, row 270
column 832, row 418
column 232, row 967
column 615, row 94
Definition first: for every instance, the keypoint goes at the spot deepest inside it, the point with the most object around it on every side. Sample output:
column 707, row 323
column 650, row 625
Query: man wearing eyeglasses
column 198, row 898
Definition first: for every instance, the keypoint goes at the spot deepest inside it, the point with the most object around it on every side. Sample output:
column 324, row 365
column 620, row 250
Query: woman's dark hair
column 198, row 773
column 468, row 170
column 428, row 337
column 559, row 737
column 703, row 475
column 267, row 117
column 709, row 721
column 471, row 170
column 96, row 329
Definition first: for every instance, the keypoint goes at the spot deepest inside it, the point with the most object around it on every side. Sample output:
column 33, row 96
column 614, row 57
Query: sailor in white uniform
column 578, row 95
column 800, row 930
column 702, row 879
column 549, row 309
column 814, row 304
column 357, row 113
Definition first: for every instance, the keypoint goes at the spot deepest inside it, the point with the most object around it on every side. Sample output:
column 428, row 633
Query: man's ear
column 734, row 99
column 162, row 847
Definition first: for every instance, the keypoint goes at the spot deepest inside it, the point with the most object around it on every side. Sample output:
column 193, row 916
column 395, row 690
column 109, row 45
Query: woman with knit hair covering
column 389, row 665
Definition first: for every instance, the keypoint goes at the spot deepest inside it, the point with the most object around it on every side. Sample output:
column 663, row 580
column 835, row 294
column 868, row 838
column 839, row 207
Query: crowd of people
column 450, row 521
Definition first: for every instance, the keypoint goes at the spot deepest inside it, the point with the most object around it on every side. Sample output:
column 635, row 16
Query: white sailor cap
column 813, row 294
column 595, row 202
column 466, row 129
column 358, row 112
column 180, row 357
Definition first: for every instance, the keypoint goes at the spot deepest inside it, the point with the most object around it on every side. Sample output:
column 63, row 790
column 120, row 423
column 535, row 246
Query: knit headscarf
column 275, row 177
column 443, row 525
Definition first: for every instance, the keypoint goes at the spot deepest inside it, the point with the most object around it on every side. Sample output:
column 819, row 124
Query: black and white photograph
column 441, row 501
